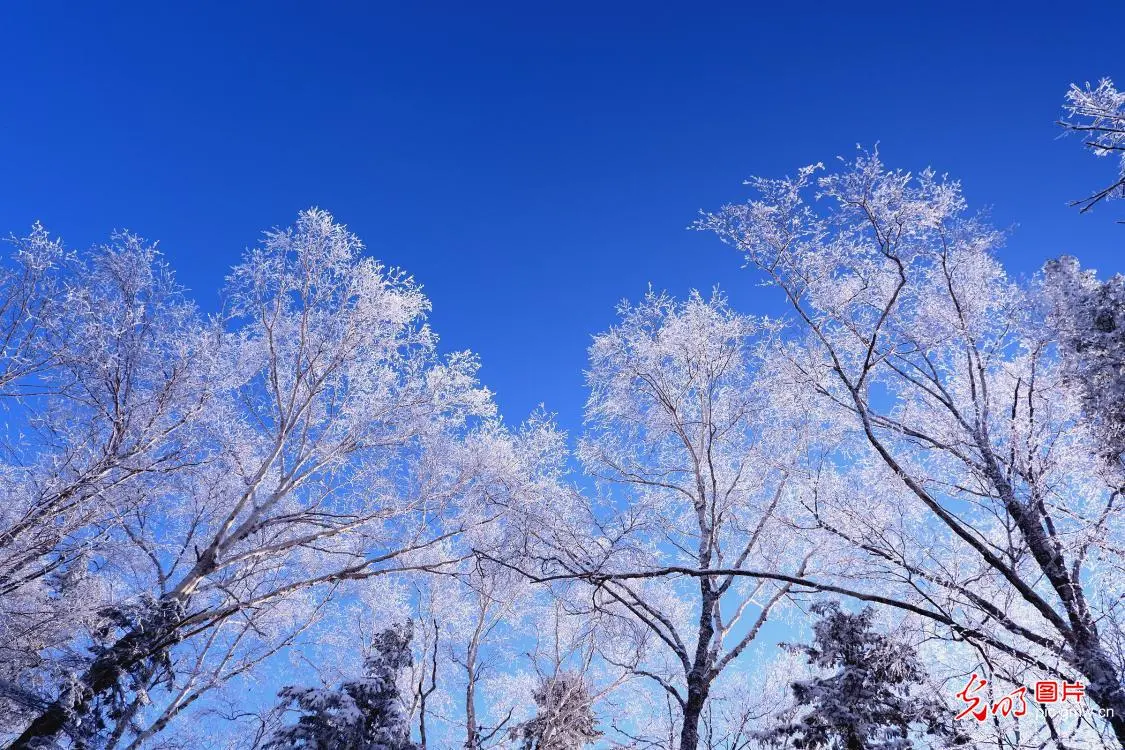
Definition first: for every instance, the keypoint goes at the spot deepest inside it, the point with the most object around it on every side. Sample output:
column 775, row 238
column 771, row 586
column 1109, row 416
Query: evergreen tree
column 364, row 714
column 870, row 702
column 1089, row 317
column 564, row 719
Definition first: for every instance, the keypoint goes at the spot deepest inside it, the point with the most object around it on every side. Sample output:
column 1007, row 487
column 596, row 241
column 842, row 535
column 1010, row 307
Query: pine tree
column 364, row 714
column 870, row 702
column 564, row 719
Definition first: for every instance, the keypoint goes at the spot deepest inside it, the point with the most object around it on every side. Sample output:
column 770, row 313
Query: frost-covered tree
column 965, row 473
column 1097, row 114
column 243, row 468
column 1089, row 316
column 107, row 372
column 363, row 714
column 564, row 718
column 745, row 703
column 678, row 424
column 875, row 698
column 575, row 692
column 483, row 620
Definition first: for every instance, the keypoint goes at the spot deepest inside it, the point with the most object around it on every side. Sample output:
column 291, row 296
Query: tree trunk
column 699, row 677
column 1104, row 686
column 424, row 692
column 697, row 690
column 1079, row 628
column 155, row 634
column 472, row 739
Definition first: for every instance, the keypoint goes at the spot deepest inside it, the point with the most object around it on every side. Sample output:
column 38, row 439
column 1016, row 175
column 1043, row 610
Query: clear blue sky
column 533, row 163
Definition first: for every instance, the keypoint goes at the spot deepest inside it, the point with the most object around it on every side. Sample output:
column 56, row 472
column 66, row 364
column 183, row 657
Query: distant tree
column 870, row 701
column 564, row 718
column 481, row 619
column 678, row 422
column 1097, row 113
column 1089, row 315
column 364, row 714
column 427, row 677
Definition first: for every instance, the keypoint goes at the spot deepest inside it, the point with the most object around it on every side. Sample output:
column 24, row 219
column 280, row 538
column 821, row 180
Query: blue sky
column 532, row 164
